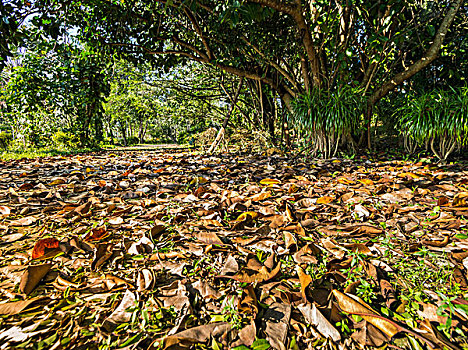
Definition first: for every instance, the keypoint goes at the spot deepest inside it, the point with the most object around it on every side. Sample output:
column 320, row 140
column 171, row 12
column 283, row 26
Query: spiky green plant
column 324, row 118
column 437, row 120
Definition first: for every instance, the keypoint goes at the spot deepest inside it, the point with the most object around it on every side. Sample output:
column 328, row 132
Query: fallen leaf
column 16, row 307
column 460, row 199
column 305, row 280
column 4, row 210
column 276, row 320
column 145, row 280
column 117, row 220
column 97, row 234
column 121, row 314
column 250, row 276
column 44, row 247
column 355, row 306
column 269, row 182
column 209, row 237
column 435, row 243
column 26, row 221
column 32, row 276
column 244, row 216
column 200, row 334
column 314, row 317
column 18, row 334
column 324, row 200
column 246, row 335
column 102, row 253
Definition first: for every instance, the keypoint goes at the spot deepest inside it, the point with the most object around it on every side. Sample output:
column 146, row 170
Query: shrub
column 133, row 140
column 436, row 120
column 205, row 139
column 5, row 140
column 324, row 118
column 65, row 140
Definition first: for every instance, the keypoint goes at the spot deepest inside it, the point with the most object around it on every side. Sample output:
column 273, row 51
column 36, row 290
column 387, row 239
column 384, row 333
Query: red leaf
column 43, row 246
column 96, row 234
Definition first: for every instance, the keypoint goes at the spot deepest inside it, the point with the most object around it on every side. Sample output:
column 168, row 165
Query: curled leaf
column 356, row 306
column 45, row 246
column 32, row 276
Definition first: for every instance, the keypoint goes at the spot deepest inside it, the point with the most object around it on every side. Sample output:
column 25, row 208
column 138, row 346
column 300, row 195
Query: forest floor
column 150, row 147
column 168, row 250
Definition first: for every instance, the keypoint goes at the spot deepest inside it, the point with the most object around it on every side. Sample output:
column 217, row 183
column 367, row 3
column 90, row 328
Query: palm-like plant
column 438, row 120
column 324, row 118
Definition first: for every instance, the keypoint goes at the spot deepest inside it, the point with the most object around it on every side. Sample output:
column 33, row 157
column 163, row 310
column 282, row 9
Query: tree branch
column 198, row 30
column 423, row 62
column 282, row 71
column 277, row 5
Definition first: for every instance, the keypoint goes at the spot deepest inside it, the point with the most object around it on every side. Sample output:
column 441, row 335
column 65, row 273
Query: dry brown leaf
column 289, row 239
column 26, row 221
column 260, row 196
column 191, row 336
column 246, row 335
column 277, row 318
column 32, row 276
column 16, row 307
column 4, row 210
column 116, row 220
column 252, row 276
column 434, row 243
column 209, row 237
column 145, row 279
column 460, row 199
column 102, row 253
column 355, row 306
column 314, row 317
column 97, row 234
column 120, row 314
column 44, row 247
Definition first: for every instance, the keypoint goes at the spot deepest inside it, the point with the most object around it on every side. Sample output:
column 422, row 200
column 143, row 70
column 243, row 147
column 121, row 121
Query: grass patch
column 42, row 152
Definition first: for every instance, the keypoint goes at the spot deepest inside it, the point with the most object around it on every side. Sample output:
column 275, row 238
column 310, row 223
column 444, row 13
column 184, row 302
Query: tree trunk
column 140, row 132
column 123, row 131
column 221, row 131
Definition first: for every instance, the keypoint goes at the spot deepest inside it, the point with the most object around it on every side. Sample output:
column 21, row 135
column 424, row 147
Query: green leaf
column 132, row 340
column 260, row 344
column 430, row 29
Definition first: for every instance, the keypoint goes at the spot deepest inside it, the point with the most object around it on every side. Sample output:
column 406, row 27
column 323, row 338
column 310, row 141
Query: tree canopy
column 284, row 49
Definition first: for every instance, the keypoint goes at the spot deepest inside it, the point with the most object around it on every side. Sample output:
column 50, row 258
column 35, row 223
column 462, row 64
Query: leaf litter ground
column 161, row 250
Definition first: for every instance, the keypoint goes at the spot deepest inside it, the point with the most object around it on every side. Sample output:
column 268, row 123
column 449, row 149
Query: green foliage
column 17, row 150
column 65, row 140
column 54, row 87
column 438, row 120
column 133, row 140
column 5, row 140
column 62, row 79
column 144, row 105
column 324, row 117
